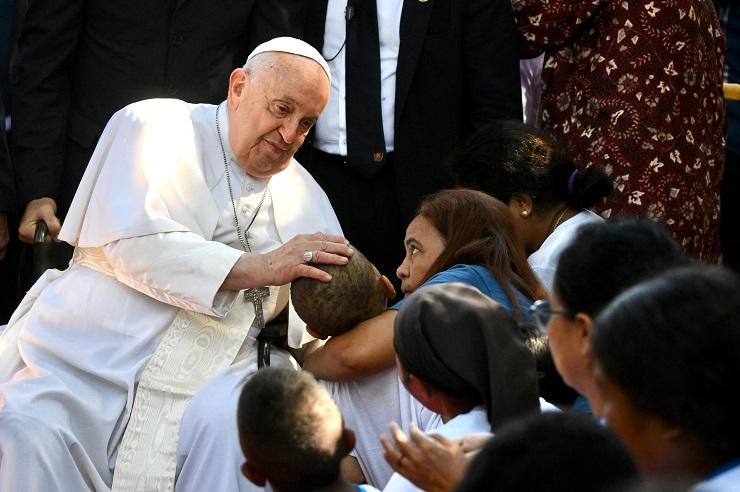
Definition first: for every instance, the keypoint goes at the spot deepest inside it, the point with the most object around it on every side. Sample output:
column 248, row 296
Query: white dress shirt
column 331, row 128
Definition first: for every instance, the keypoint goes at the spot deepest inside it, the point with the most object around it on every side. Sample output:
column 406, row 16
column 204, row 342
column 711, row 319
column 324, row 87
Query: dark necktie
column 365, row 141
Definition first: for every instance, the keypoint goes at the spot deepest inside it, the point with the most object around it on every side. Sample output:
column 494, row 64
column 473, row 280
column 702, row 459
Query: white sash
column 194, row 349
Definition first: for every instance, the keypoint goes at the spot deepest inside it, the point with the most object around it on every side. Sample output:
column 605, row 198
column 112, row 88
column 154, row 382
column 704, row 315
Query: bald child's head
column 356, row 292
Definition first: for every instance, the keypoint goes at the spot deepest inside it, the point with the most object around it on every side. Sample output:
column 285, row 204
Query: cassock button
column 177, row 39
column 378, row 156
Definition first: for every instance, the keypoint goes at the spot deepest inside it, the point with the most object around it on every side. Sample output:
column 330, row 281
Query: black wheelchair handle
column 41, row 231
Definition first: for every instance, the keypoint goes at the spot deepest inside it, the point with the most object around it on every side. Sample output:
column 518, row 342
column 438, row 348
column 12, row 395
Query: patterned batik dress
column 635, row 88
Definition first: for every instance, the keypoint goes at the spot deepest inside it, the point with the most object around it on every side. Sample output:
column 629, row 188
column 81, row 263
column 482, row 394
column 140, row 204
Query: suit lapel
column 414, row 20
column 178, row 4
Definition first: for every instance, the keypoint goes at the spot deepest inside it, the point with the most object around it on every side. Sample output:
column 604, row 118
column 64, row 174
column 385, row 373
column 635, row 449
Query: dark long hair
column 671, row 345
column 506, row 157
column 478, row 229
column 606, row 258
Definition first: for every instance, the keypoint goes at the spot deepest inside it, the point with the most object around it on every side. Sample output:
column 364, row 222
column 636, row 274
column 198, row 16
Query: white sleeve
column 399, row 483
column 177, row 268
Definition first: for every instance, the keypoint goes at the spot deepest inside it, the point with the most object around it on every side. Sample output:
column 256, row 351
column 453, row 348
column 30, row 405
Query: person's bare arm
column 350, row 469
column 364, row 350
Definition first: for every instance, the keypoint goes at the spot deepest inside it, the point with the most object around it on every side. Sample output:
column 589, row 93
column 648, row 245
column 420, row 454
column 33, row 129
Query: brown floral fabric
column 635, row 87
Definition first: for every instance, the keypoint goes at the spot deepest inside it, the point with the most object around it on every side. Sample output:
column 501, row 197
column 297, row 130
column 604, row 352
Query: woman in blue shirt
column 457, row 236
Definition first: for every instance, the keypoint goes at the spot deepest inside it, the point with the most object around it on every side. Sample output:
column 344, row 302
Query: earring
column 525, row 213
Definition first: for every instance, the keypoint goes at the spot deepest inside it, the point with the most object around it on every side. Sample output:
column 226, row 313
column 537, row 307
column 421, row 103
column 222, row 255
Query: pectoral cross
column 256, row 296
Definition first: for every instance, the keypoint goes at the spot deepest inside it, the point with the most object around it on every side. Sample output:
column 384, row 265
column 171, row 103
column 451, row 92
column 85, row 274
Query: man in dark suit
column 7, row 198
column 80, row 61
column 440, row 69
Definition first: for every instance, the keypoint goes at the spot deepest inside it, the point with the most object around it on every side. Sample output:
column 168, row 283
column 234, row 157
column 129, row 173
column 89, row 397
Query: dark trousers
column 10, row 293
column 367, row 209
column 729, row 229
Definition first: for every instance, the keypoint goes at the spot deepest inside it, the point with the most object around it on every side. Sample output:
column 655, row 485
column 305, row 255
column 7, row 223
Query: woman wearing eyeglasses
column 603, row 260
column 548, row 196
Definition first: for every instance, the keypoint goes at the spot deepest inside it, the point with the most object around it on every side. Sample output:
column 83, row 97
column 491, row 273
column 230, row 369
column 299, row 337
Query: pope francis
column 122, row 372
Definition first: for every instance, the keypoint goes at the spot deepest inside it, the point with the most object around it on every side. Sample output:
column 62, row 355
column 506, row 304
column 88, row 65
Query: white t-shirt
column 475, row 421
column 544, row 261
column 727, row 481
column 368, row 405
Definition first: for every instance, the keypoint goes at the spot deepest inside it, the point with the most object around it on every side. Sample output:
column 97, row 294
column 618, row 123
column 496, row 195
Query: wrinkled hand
column 431, row 462
column 287, row 263
column 41, row 209
column 4, row 236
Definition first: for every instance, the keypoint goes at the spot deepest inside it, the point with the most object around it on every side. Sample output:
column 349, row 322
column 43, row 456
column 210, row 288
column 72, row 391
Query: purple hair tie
column 570, row 181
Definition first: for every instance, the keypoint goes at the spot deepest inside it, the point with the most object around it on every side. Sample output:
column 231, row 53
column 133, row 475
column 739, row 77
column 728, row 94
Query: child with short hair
column 292, row 433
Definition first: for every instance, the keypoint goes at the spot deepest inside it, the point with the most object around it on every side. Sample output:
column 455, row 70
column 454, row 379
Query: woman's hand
column 431, row 462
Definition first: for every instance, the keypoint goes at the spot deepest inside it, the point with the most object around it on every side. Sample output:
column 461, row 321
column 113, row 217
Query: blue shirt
column 479, row 277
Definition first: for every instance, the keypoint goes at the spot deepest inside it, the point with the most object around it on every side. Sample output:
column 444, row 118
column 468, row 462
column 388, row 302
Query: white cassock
column 153, row 225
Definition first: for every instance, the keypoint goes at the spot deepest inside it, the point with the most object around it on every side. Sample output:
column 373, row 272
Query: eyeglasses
column 542, row 312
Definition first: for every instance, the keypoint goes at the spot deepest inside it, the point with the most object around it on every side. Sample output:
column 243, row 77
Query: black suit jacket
column 79, row 61
column 7, row 190
column 458, row 67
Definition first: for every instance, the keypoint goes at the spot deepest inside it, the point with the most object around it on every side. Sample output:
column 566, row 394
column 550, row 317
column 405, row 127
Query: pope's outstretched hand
column 292, row 260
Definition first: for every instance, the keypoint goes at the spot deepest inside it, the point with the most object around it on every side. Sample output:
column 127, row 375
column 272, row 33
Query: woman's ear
column 521, row 205
column 426, row 394
column 584, row 325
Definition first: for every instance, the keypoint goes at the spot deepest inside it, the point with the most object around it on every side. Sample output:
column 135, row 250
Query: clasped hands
column 430, row 461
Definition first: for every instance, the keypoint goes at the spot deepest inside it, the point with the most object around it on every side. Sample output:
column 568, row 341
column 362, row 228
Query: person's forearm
column 362, row 351
column 245, row 273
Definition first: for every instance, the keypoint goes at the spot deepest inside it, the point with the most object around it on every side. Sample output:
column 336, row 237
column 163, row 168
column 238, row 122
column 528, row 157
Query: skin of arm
column 350, row 470
column 364, row 350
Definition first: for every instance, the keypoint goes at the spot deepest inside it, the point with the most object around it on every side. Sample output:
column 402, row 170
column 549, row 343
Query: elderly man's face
column 272, row 110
